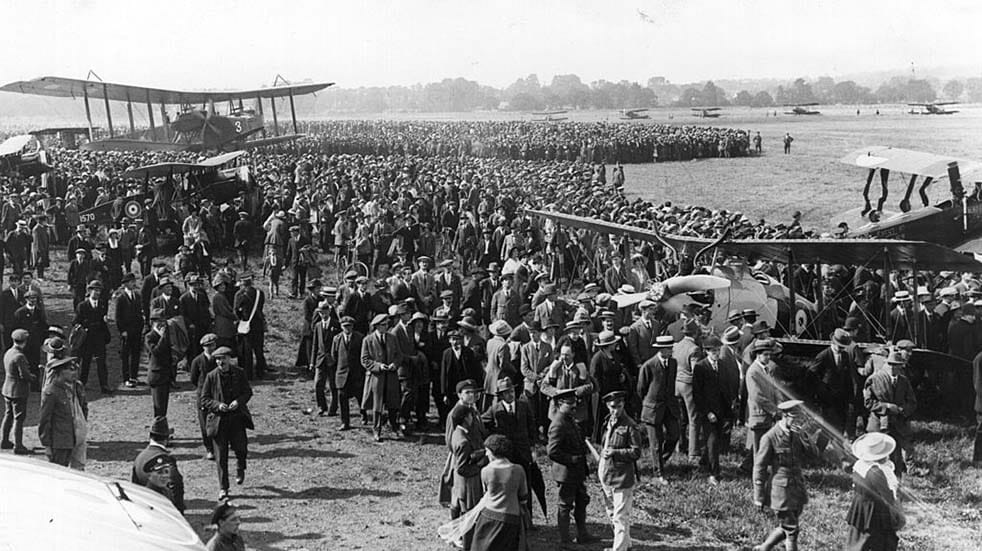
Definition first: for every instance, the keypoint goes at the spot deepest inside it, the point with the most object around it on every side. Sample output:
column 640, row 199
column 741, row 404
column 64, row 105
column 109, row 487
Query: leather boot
column 773, row 539
column 562, row 523
column 583, row 535
column 791, row 544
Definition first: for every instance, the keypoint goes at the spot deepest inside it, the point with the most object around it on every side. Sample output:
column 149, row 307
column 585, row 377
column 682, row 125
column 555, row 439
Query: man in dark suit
column 31, row 318
column 349, row 375
column 91, row 314
column 195, row 309
column 11, row 299
column 506, row 301
column 156, row 469
column 310, row 303
column 150, row 283
column 249, row 299
column 201, row 365
column 642, row 333
column 458, row 364
column 129, row 322
column 567, row 450
column 448, row 280
column 355, row 304
column 513, row 419
column 831, row 374
column 712, row 403
column 660, row 411
column 536, row 357
column 166, row 298
column 325, row 326
column 161, row 372
column 225, row 396
column 381, row 357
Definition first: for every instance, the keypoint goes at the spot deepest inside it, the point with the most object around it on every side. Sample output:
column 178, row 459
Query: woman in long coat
column 875, row 514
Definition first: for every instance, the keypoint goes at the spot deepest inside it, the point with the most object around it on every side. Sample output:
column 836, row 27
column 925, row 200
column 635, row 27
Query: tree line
column 570, row 92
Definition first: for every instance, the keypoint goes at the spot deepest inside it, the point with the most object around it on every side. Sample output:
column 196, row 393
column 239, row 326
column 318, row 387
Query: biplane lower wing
column 899, row 254
column 161, row 170
column 262, row 142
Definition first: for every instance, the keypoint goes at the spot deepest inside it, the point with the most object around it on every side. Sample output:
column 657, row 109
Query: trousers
column 160, row 396
column 622, row 504
column 663, row 437
column 130, row 348
column 100, row 362
column 15, row 412
column 232, row 435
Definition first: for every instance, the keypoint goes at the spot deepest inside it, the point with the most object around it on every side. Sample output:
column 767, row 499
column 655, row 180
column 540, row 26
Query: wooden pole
column 129, row 112
column 163, row 122
column 259, row 106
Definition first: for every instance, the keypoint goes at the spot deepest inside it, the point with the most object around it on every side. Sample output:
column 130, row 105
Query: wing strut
column 88, row 112
column 884, row 190
column 109, row 113
column 905, row 202
column 923, row 191
column 153, row 127
column 293, row 113
column 259, row 106
column 276, row 122
column 869, row 181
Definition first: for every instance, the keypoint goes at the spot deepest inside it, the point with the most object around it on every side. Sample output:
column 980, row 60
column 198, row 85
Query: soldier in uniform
column 620, row 451
column 782, row 453
column 567, row 450
column 155, row 468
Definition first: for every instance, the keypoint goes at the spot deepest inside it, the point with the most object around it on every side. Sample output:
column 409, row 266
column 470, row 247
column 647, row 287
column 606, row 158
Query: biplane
column 634, row 114
column 193, row 128
column 549, row 116
column 954, row 222
column 802, row 109
column 180, row 183
column 934, row 108
column 707, row 112
column 23, row 154
column 732, row 286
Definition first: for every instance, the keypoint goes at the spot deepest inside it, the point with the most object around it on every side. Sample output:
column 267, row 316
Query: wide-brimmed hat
column 764, row 345
column 468, row 323
column 734, row 315
column 606, row 338
column 896, row 359
column 712, row 341
column 874, row 446
column 841, row 337
column 902, row 296
column 731, row 335
column 503, row 385
column 760, row 327
column 500, row 328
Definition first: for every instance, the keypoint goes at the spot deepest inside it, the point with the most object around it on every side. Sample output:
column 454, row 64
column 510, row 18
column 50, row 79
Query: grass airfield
column 312, row 487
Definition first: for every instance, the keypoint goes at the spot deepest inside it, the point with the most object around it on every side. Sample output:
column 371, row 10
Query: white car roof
column 46, row 506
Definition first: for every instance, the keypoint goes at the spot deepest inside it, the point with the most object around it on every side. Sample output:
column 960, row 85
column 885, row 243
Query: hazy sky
column 229, row 44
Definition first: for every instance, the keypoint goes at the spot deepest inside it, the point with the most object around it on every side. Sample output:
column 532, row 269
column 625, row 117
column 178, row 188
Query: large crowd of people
column 431, row 297
column 585, row 142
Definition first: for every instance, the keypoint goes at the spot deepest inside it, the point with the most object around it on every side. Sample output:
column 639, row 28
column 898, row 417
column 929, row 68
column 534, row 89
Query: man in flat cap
column 156, row 469
column 381, row 358
column 325, row 326
column 201, row 366
column 195, row 309
column 80, row 271
column 309, row 305
column 349, row 375
column 91, row 315
column 16, row 389
column 225, row 396
column 162, row 372
column 242, row 235
column 31, row 317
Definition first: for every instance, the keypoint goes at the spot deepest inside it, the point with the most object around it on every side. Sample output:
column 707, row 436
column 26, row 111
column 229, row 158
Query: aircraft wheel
column 801, row 322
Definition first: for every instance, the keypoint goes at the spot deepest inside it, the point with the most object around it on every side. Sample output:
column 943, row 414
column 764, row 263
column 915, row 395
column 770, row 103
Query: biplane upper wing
column 855, row 252
column 76, row 88
column 164, row 169
column 908, row 161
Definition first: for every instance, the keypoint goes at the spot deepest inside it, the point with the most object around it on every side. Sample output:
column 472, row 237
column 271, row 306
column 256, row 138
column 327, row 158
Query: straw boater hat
column 902, row 296
column 663, row 341
column 873, row 446
column 606, row 338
